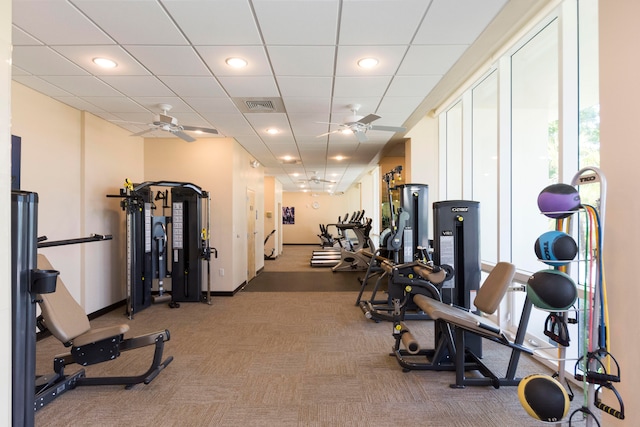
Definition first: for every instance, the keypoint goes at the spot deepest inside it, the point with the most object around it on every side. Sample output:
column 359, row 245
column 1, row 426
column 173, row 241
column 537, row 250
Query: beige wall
column 5, row 211
column 73, row 160
column 221, row 167
column 620, row 153
column 307, row 219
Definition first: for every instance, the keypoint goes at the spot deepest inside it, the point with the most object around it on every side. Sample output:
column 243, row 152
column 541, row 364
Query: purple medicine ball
column 558, row 200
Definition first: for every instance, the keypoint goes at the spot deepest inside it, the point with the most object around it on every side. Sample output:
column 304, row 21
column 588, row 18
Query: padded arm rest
column 458, row 317
column 99, row 334
column 435, row 277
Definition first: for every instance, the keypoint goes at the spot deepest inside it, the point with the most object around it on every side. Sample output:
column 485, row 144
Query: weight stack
column 456, row 230
column 186, row 242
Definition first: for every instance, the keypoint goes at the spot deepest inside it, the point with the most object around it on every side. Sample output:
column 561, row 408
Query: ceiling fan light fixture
column 105, row 62
column 367, row 63
column 346, row 131
column 236, row 62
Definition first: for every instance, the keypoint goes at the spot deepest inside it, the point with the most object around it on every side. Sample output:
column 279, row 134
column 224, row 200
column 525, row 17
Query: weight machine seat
column 67, row 321
column 487, row 301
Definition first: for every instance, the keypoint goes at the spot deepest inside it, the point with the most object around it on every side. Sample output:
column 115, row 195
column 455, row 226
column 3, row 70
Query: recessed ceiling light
column 287, row 158
column 367, row 62
column 272, row 131
column 236, row 62
column 338, row 158
column 105, row 62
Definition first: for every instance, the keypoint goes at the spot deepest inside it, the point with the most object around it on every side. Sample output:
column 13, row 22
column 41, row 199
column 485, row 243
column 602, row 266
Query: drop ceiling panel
column 352, row 87
column 40, row 85
column 302, row 53
column 120, row 104
column 245, row 86
column 295, row 86
column 319, row 106
column 211, row 105
column 445, row 24
column 84, row 55
column 84, row 105
column 193, row 86
column 152, row 103
column 412, row 86
column 141, row 22
column 380, row 22
column 305, row 125
column 35, row 17
column 430, row 60
column 41, row 60
column 82, row 85
column 138, row 85
column 256, row 57
column 20, row 38
column 389, row 58
column 315, row 22
column 394, row 110
column 233, row 125
column 208, row 22
column 302, row 60
column 170, row 60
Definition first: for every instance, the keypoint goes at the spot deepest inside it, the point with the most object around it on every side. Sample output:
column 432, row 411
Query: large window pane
column 485, row 163
column 534, row 139
column 454, row 152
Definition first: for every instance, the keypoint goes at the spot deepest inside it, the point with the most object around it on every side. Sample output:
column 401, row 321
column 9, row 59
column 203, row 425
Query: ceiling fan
column 167, row 123
column 359, row 125
column 315, row 179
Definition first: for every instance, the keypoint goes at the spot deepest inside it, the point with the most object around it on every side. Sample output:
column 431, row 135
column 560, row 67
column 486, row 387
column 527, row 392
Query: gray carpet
column 280, row 359
column 299, row 281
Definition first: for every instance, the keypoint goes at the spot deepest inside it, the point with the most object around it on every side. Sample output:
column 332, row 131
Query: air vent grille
column 263, row 105
column 259, row 105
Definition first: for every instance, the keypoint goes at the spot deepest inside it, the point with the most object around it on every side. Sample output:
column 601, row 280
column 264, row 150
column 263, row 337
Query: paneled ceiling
column 301, row 69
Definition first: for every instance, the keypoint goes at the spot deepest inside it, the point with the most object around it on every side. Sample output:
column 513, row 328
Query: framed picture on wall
column 288, row 215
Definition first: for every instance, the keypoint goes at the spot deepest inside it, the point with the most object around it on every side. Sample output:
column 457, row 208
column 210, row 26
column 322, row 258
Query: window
column 541, row 132
column 485, row 162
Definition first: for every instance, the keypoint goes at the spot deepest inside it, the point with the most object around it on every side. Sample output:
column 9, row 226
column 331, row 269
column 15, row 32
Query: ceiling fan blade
column 362, row 137
column 199, row 129
column 128, row 122
column 329, row 133
column 388, row 128
column 183, row 135
column 368, row 119
column 142, row 132
column 330, row 123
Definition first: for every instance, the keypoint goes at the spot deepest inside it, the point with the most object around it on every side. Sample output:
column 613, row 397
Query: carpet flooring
column 280, row 358
column 299, row 281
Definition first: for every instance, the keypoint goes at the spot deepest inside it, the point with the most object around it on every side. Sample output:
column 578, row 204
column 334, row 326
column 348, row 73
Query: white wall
column 619, row 155
column 5, row 211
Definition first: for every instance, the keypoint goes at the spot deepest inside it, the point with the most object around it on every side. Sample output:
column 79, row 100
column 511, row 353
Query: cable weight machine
column 156, row 241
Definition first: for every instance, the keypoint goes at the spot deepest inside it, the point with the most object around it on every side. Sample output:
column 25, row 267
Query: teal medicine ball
column 555, row 248
column 551, row 290
column 543, row 397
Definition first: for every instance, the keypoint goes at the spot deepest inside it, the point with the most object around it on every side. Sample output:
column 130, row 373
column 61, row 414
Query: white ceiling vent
column 259, row 105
